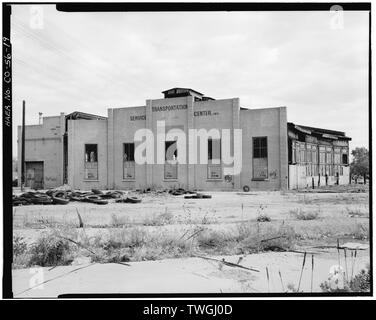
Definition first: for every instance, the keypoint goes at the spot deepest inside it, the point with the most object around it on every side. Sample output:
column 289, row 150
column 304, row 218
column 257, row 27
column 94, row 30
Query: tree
column 360, row 164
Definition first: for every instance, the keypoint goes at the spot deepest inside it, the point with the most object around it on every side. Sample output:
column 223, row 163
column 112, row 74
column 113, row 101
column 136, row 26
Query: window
column 260, row 158
column 309, row 156
column 171, row 164
column 128, row 162
column 336, row 170
column 314, row 156
column 214, row 149
column 345, row 157
column 322, row 157
column 214, row 155
column 91, row 162
column 329, row 156
column 260, row 148
column 171, row 151
column 322, row 170
column 337, row 156
column 315, row 168
column 293, row 154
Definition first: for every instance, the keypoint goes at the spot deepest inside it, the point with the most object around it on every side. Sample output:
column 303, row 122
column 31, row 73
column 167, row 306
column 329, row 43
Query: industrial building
column 88, row 151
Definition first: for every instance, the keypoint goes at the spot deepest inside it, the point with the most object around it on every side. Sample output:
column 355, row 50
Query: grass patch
column 258, row 237
column 357, row 212
column 300, row 214
column 159, row 220
column 119, row 221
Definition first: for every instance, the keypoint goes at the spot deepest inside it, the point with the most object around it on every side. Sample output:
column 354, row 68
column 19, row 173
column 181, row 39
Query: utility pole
column 23, row 148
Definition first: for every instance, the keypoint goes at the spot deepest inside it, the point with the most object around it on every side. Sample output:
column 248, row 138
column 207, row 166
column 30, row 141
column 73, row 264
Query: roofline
column 87, row 114
column 183, row 89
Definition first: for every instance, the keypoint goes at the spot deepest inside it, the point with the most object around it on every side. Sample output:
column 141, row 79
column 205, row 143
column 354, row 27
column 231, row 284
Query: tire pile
column 64, row 197
column 189, row 194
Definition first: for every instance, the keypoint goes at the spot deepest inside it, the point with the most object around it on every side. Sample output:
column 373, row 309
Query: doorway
column 34, row 174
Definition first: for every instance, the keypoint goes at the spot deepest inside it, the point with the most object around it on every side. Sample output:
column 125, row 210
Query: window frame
column 129, row 163
column 86, row 178
column 167, row 164
column 258, row 178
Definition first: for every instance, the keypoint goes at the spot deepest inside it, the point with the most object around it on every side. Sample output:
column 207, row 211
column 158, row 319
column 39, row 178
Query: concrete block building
column 88, row 151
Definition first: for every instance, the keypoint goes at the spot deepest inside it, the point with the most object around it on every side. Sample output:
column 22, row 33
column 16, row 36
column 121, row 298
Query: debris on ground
column 63, row 195
column 198, row 196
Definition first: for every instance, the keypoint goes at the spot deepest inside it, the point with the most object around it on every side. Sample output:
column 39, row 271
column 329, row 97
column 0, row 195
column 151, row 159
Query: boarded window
column 128, row 162
column 260, row 158
column 91, row 162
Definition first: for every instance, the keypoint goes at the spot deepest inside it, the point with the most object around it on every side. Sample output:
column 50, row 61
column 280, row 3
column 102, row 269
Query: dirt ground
column 343, row 216
column 223, row 208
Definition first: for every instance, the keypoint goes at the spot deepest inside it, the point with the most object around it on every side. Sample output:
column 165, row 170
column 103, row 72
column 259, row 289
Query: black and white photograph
column 187, row 149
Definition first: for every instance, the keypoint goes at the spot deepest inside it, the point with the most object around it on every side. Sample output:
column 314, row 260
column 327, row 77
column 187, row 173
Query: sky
column 314, row 63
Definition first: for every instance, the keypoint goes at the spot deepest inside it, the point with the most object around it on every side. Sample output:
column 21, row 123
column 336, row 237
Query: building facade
column 88, row 151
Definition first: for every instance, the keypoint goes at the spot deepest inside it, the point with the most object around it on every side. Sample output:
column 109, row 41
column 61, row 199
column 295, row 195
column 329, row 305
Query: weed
column 263, row 217
column 300, row 214
column 119, row 221
column 19, row 245
column 159, row 220
column 360, row 232
column 357, row 212
column 50, row 251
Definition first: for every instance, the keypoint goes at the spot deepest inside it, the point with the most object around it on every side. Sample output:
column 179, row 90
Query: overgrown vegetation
column 359, row 283
column 300, row 214
column 49, row 250
column 136, row 243
column 19, row 245
column 263, row 217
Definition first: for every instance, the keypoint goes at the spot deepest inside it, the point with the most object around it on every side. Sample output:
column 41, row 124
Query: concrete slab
column 188, row 275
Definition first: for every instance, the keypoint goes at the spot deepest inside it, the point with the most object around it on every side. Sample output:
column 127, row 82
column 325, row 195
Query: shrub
column 50, row 251
column 359, row 283
column 263, row 217
column 362, row 281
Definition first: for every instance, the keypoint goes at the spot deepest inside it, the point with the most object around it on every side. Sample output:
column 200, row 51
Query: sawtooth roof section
column 325, row 133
